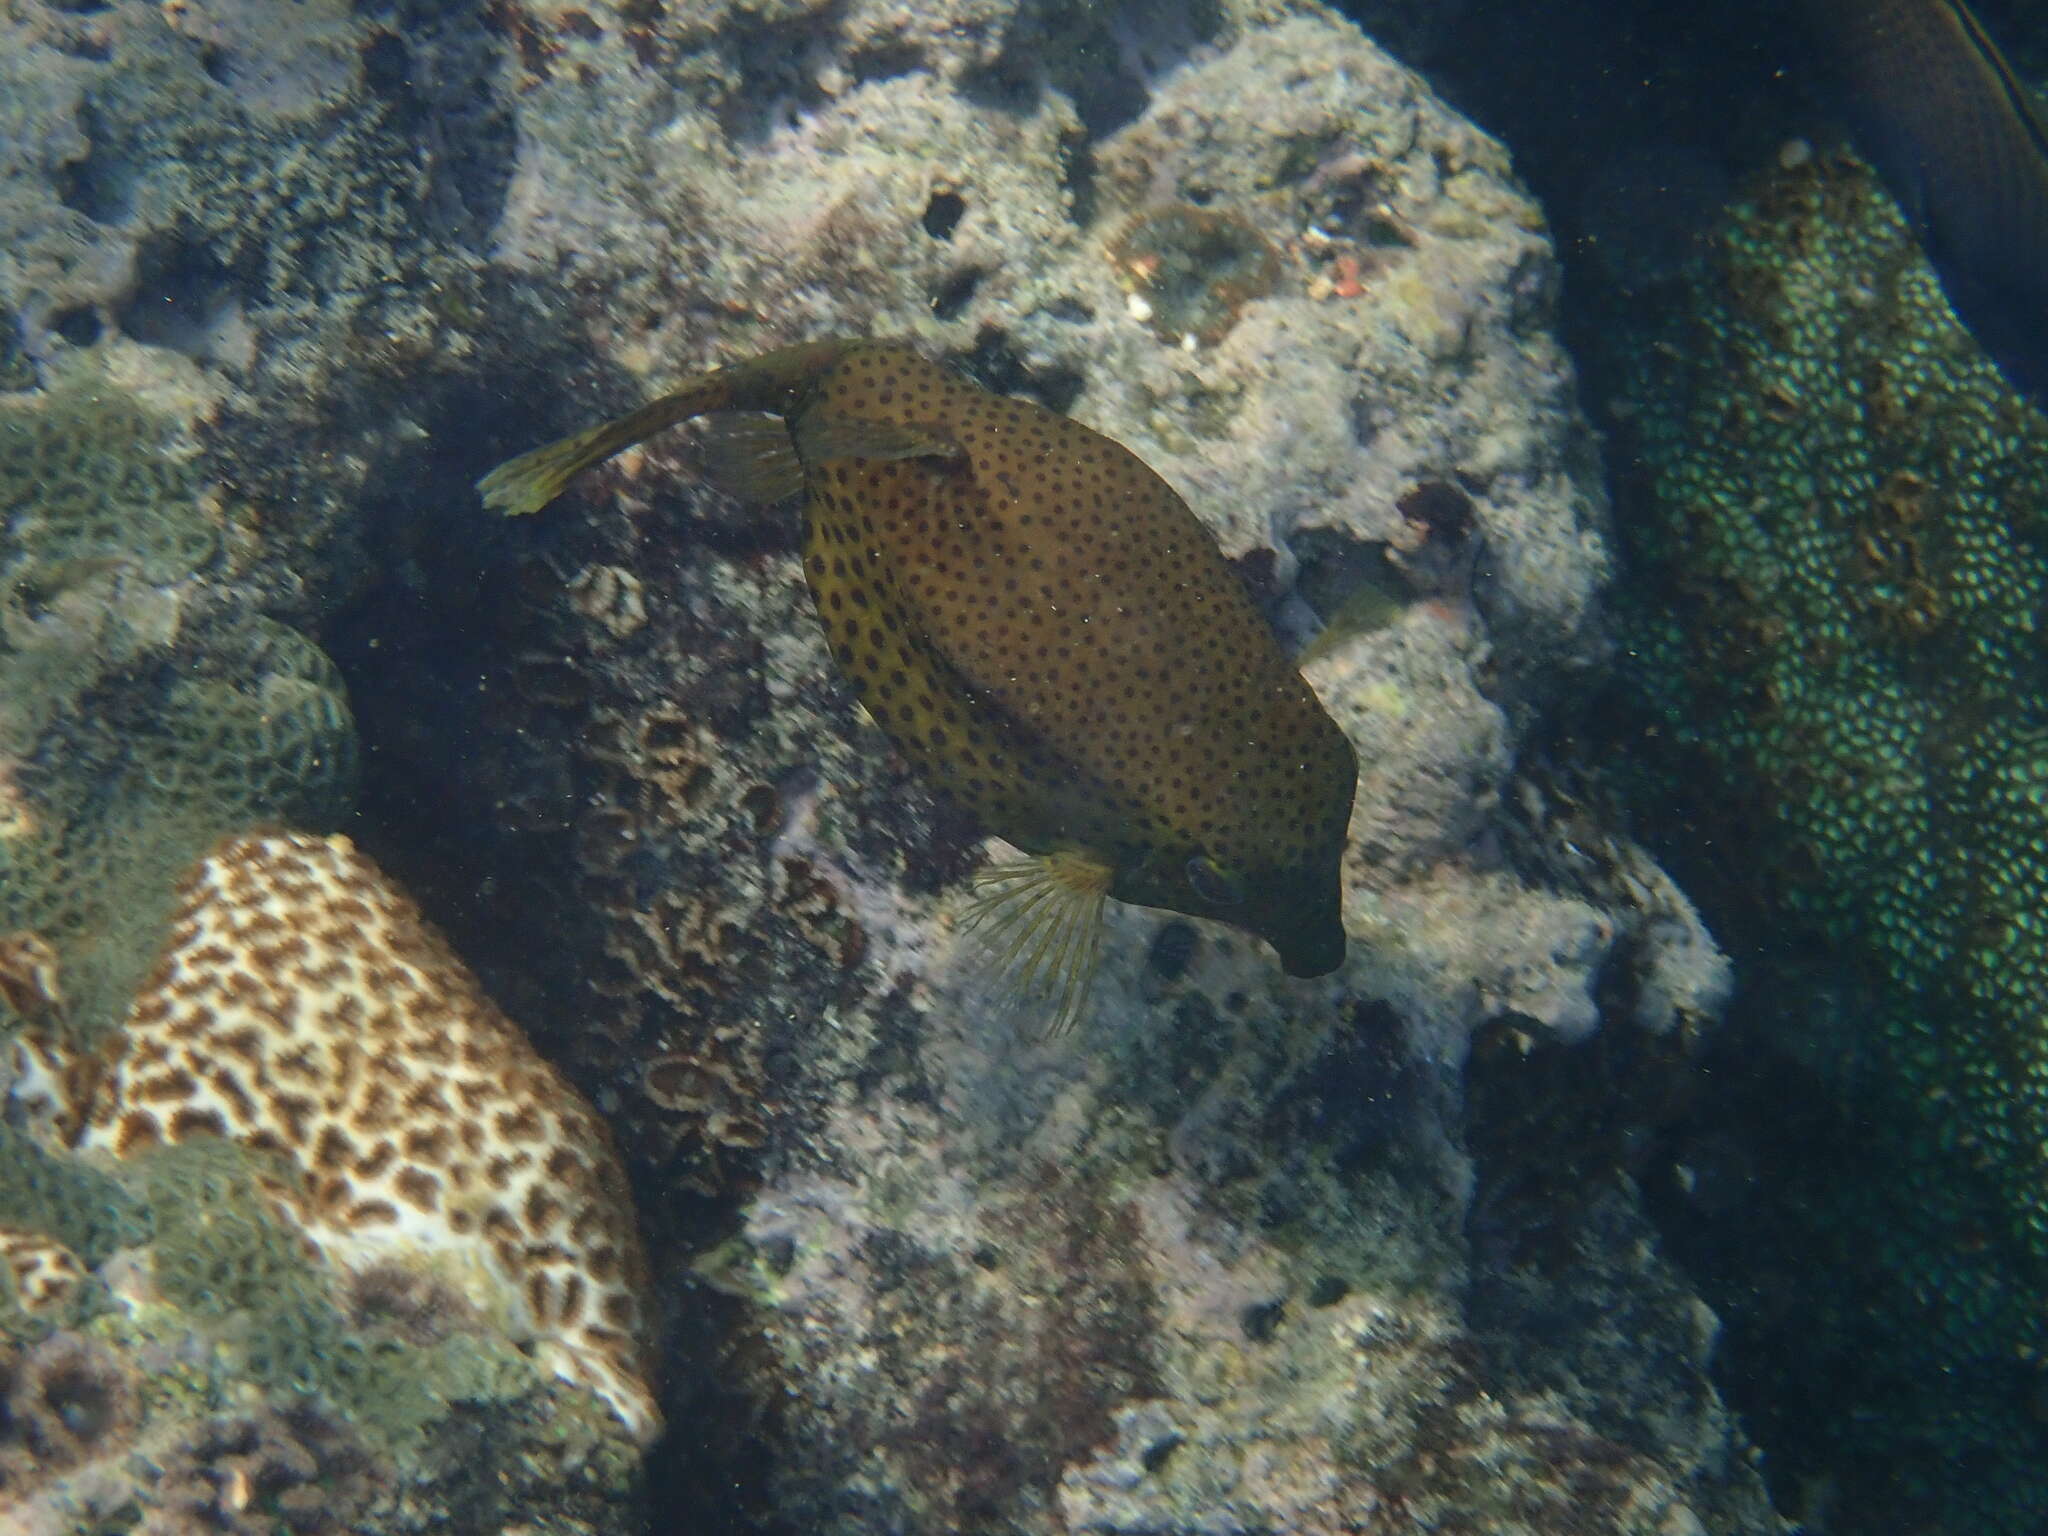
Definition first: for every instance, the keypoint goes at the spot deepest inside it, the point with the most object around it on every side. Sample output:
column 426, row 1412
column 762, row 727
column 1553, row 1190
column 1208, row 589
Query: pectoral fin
column 1043, row 919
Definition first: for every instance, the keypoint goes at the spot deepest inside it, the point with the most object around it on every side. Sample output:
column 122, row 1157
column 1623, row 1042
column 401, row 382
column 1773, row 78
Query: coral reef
column 1836, row 509
column 224, row 229
column 318, row 1173
column 301, row 1008
column 192, row 176
column 266, row 220
column 980, row 1284
column 1212, row 1265
column 145, row 707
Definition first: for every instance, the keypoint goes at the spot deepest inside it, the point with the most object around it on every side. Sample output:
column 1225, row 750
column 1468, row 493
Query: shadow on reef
column 486, row 724
column 468, row 709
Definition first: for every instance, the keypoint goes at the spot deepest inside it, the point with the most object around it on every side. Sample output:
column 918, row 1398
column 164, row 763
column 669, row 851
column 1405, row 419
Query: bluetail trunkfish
column 1047, row 631
column 1958, row 140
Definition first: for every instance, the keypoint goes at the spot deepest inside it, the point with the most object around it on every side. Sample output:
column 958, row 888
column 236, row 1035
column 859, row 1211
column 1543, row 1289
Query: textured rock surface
column 1199, row 1267
column 1243, row 1253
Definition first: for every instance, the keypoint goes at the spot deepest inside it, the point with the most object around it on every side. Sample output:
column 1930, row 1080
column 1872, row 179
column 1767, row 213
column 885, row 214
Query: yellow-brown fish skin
column 1043, row 627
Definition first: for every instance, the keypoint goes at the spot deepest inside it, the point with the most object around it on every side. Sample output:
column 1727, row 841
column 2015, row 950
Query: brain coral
column 1840, row 520
column 302, row 1008
column 84, row 473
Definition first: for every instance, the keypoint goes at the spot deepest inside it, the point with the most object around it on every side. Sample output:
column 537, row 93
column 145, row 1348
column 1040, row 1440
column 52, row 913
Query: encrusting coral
column 1837, row 516
column 303, row 1009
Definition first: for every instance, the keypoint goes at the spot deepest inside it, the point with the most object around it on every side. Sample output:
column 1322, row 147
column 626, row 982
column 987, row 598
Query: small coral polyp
column 302, row 1008
column 1194, row 268
column 39, row 1273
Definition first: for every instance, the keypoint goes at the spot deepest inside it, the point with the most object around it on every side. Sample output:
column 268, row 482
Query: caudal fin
column 531, row 481
column 767, row 383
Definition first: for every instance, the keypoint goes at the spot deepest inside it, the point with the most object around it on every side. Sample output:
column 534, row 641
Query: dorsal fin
column 822, row 436
column 752, row 458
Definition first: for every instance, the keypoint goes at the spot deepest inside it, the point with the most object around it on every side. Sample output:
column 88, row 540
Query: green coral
column 87, row 1210
column 238, row 1315
column 1840, row 521
column 85, row 473
column 221, row 1254
column 116, row 769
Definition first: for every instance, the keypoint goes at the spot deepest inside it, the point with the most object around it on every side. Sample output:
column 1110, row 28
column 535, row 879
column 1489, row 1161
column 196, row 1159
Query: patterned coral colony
column 488, row 1037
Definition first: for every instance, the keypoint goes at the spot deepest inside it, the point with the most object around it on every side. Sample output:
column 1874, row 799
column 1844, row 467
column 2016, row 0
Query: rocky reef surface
column 1242, row 1253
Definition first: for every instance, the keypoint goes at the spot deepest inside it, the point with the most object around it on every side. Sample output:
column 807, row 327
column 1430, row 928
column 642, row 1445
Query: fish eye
column 1213, row 882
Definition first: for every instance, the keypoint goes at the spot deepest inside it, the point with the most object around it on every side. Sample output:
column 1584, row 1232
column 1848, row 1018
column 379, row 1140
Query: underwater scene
column 1023, row 768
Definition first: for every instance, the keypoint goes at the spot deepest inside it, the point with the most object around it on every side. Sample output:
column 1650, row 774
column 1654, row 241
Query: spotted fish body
column 1045, row 629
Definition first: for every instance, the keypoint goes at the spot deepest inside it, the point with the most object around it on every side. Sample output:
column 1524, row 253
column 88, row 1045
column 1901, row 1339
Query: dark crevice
column 182, row 299
column 92, row 184
column 956, row 293
column 1077, row 176
column 942, row 214
column 891, row 63
column 436, row 69
column 1103, row 58
column 773, row 61
column 80, row 325
column 994, row 364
